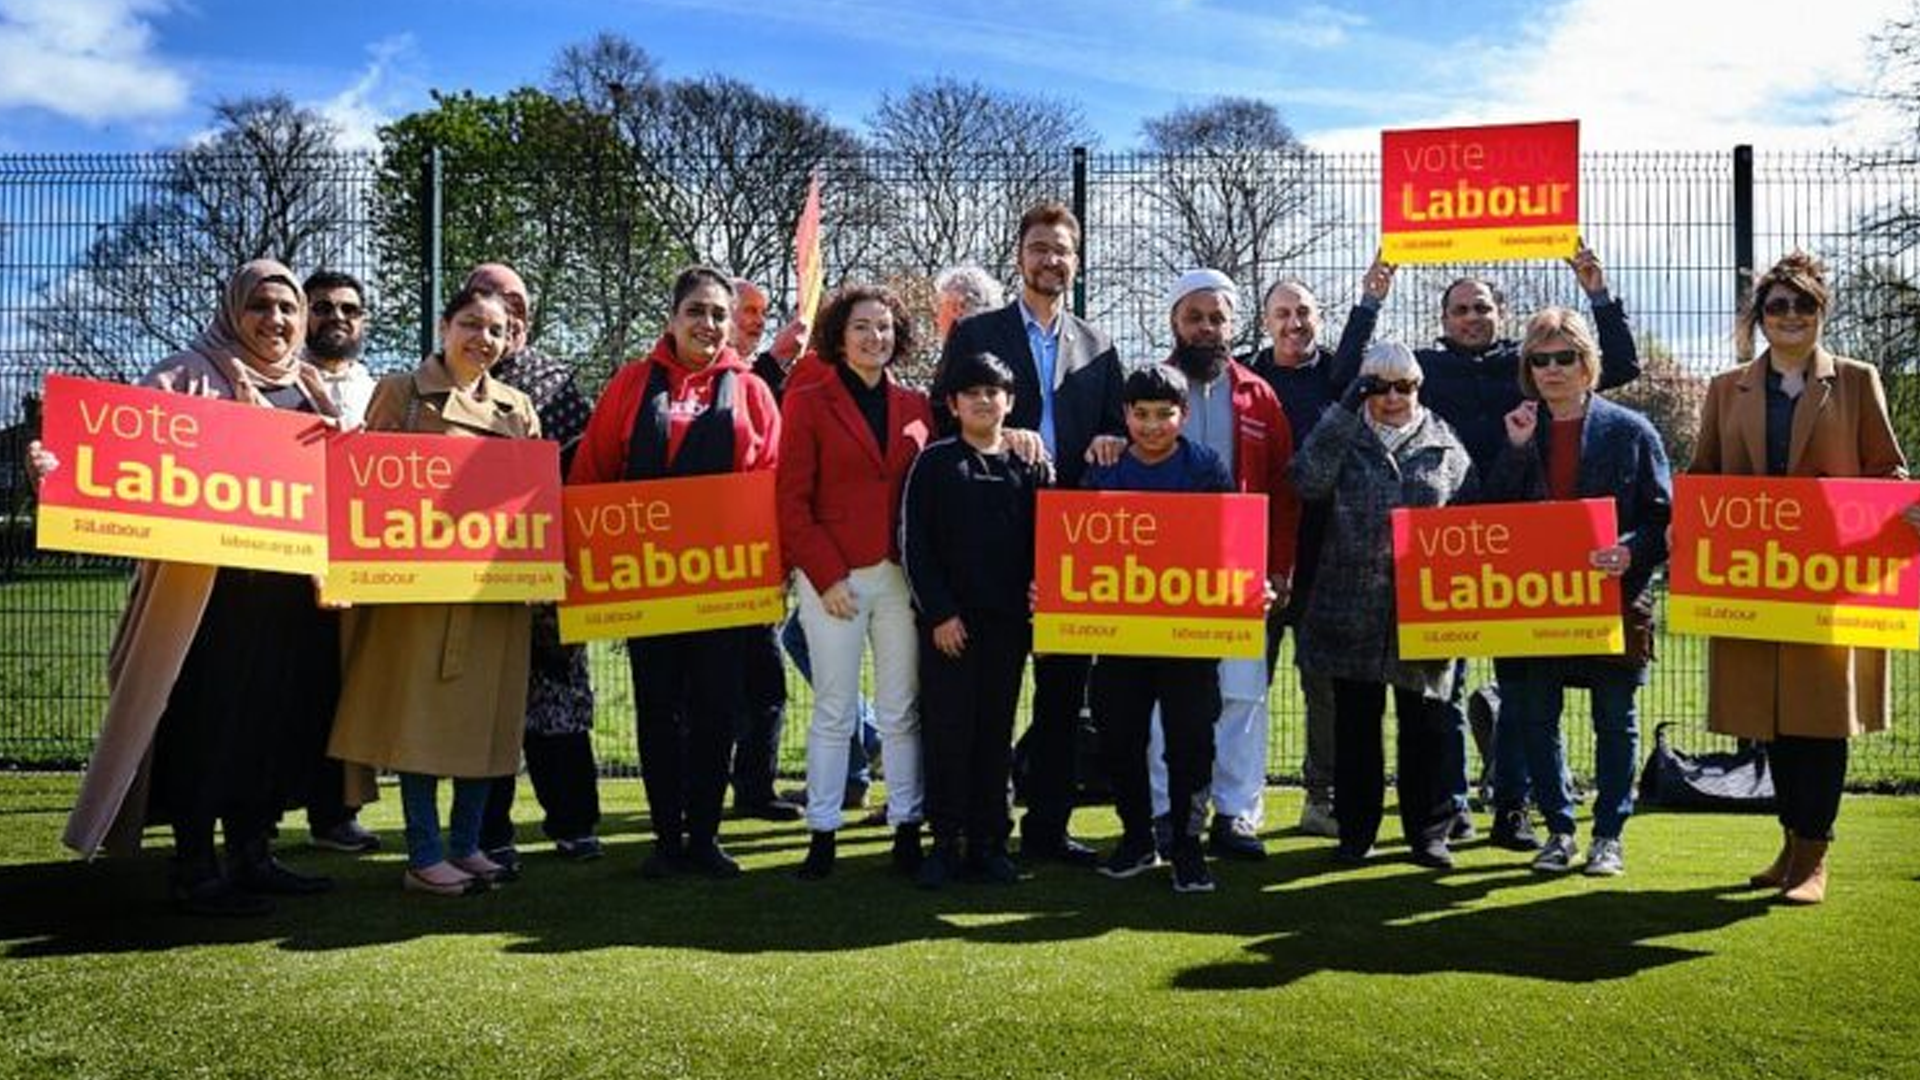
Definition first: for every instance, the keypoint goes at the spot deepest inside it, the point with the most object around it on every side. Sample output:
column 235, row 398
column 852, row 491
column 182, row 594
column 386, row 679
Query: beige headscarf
column 223, row 347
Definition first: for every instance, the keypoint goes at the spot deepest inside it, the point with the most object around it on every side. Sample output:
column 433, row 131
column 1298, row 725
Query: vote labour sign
column 1505, row 580
column 1136, row 574
column 153, row 475
column 651, row 557
column 441, row 519
column 1480, row 194
column 1826, row 562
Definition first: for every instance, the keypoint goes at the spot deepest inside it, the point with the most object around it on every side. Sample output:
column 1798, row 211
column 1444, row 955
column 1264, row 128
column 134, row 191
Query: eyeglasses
column 327, row 308
column 1470, row 309
column 1562, row 357
column 1403, row 387
column 1799, row 304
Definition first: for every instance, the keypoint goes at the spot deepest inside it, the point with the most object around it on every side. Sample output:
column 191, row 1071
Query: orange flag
column 810, row 268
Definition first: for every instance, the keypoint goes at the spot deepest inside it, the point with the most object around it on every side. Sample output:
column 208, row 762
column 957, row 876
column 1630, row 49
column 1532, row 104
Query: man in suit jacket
column 1067, row 380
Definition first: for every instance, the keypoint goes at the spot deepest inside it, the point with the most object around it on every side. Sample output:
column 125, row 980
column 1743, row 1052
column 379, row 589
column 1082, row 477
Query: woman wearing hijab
column 691, row 408
column 213, row 709
column 433, row 690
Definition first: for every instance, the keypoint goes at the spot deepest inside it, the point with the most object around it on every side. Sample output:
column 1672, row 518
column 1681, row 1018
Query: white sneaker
column 1316, row 819
column 1557, row 856
column 1606, row 858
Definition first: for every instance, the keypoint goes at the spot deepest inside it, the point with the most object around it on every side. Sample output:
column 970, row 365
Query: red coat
column 1262, row 449
column 838, row 495
column 602, row 457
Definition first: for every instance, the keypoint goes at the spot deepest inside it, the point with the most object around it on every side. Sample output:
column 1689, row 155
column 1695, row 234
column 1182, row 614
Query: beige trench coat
column 438, row 689
column 1761, row 689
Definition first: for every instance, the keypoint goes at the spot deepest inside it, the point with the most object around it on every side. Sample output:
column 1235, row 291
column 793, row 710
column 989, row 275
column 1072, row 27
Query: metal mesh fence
column 108, row 263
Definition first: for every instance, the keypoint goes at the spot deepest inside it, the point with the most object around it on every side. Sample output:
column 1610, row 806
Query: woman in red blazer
column 847, row 441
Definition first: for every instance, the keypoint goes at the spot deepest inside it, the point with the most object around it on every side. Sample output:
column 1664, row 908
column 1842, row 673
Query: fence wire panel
column 109, row 262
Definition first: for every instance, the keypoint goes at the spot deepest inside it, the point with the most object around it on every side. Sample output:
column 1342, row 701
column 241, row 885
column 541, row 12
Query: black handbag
column 1730, row 780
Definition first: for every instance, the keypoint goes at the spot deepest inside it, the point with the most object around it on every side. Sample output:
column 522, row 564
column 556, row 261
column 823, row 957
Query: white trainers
column 1606, row 858
column 1557, row 856
column 1316, row 819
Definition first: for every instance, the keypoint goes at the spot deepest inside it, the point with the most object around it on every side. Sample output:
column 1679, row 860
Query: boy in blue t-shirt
column 1124, row 689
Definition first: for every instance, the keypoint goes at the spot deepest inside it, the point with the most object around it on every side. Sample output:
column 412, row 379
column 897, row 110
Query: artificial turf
column 1293, row 968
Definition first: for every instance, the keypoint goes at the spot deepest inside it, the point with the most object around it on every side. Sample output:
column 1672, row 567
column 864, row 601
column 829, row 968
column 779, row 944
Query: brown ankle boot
column 1775, row 876
column 1807, row 877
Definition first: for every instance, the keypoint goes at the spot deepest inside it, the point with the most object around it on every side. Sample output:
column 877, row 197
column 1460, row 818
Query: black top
column 871, row 400
column 1779, row 424
column 966, row 530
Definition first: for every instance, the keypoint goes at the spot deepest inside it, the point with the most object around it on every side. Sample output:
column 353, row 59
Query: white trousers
column 1239, row 746
column 885, row 618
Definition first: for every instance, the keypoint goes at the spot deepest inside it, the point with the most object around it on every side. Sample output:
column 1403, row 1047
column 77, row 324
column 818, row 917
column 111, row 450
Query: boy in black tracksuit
column 966, row 542
column 1124, row 689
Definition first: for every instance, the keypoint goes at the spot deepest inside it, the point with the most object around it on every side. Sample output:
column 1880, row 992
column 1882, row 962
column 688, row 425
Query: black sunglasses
column 326, row 308
column 1799, row 304
column 1403, row 387
column 1562, row 357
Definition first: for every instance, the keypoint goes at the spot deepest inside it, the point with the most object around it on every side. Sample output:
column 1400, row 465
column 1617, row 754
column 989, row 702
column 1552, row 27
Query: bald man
column 558, row 740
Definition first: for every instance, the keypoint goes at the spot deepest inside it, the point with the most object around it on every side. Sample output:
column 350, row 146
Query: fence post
column 430, row 208
column 1742, row 224
column 1080, row 211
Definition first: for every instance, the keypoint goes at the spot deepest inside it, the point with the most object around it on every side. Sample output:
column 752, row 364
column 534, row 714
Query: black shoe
column 1513, row 830
column 907, row 855
column 1352, row 856
column 506, row 857
column 200, row 890
column 1059, row 848
column 666, row 861
column 1461, row 830
column 1433, row 855
column 937, row 868
column 708, row 859
column 580, row 849
column 769, row 810
column 995, row 867
column 349, row 836
column 819, row 861
column 1190, row 869
column 270, row 877
column 1134, row 855
column 1236, row 838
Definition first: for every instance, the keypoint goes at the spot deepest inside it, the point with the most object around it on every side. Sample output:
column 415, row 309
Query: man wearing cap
column 1472, row 381
column 558, row 739
column 1236, row 415
column 1067, row 381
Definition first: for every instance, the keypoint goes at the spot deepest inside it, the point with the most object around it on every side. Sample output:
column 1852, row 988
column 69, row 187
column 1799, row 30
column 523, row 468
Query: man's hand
column 1587, row 269
column 1279, row 590
column 1025, row 445
column 1104, row 450
column 1614, row 560
column 790, row 341
column 40, row 462
column 1379, row 279
column 950, row 637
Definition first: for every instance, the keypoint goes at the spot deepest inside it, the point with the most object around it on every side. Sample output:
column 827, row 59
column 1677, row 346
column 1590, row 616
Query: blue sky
column 78, row 75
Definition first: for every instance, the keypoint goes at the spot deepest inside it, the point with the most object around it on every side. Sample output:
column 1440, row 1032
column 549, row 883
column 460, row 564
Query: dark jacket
column 1351, row 631
column 1474, row 393
column 1086, row 396
column 966, row 530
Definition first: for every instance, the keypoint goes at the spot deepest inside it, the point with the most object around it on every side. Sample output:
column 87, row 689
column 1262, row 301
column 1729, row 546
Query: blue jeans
column 419, row 805
column 1537, row 691
column 866, row 737
column 1512, row 785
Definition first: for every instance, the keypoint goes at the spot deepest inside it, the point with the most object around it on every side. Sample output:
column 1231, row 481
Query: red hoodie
column 602, row 457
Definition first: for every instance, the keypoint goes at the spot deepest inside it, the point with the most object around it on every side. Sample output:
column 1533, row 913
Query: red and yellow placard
column 1137, row 574
column 154, row 475
column 437, row 519
column 651, row 557
column 1827, row 562
column 1513, row 579
column 1480, row 194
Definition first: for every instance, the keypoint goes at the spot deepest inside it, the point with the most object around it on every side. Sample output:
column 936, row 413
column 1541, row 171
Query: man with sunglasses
column 1473, row 382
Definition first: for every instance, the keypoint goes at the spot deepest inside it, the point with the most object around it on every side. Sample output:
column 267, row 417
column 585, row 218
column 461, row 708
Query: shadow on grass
column 1296, row 913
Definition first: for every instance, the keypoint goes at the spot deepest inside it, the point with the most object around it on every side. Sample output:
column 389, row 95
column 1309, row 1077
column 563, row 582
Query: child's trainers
column 1190, row 870
column 1134, row 855
column 1607, row 858
column 1557, row 856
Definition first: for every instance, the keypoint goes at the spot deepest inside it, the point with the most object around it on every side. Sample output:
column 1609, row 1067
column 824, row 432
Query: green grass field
column 1291, row 969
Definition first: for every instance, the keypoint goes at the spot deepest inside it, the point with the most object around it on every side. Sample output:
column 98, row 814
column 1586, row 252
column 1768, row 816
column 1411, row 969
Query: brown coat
column 439, row 689
column 1763, row 689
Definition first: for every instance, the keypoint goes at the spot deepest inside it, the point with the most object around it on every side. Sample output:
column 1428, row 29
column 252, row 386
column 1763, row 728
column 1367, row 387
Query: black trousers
column 688, row 694
column 1124, row 690
column 1808, row 776
column 756, row 751
column 565, row 781
column 1059, row 694
column 1359, row 769
column 967, row 706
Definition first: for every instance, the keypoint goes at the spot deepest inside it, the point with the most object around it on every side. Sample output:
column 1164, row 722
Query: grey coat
column 1349, row 629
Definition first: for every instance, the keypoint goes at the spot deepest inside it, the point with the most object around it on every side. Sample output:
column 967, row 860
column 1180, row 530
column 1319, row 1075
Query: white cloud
column 1656, row 74
column 373, row 99
column 88, row 60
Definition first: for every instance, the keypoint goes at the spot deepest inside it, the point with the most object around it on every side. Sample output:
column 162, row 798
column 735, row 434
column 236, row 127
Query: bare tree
column 607, row 73
column 967, row 163
column 1232, row 190
column 267, row 183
